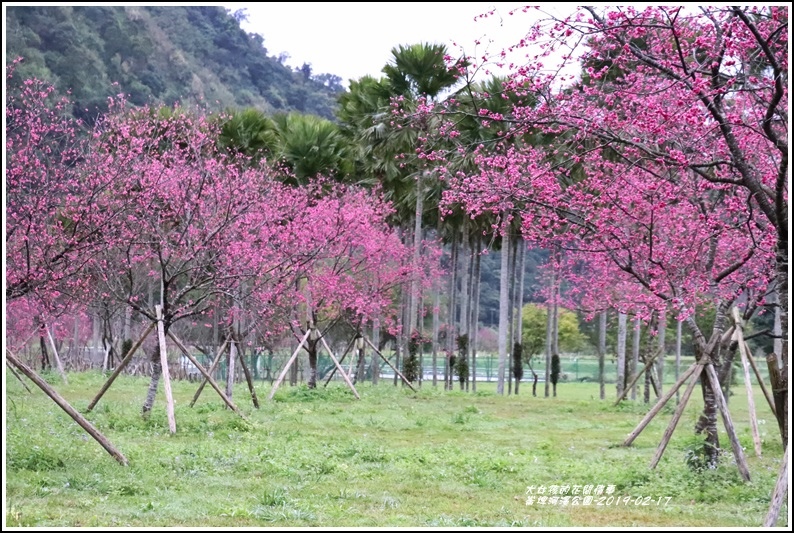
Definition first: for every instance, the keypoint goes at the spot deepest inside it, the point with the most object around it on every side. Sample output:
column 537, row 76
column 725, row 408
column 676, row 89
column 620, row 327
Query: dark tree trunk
column 45, row 359
column 311, row 347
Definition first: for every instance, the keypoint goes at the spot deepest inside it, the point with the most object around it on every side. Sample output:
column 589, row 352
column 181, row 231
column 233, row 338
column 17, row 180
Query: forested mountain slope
column 165, row 54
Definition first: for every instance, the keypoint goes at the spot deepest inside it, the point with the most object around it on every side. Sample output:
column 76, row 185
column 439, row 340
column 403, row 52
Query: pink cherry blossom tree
column 356, row 263
column 664, row 168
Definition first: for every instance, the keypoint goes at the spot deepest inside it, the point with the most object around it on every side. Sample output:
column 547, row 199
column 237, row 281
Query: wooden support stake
column 779, row 383
column 286, row 367
column 341, row 359
column 758, row 377
column 726, row 419
column 397, row 372
column 210, row 371
column 248, row 378
column 341, row 370
column 634, row 380
column 205, row 373
column 63, row 404
column 779, row 494
column 748, row 387
column 658, row 406
column 58, row 363
column 124, row 362
column 169, row 396
column 679, row 410
column 11, row 368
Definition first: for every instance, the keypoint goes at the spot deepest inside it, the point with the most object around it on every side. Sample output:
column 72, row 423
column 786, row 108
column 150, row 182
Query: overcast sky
column 353, row 39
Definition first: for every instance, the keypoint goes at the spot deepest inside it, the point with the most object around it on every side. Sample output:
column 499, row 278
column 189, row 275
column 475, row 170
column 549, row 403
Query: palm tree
column 386, row 141
column 304, row 145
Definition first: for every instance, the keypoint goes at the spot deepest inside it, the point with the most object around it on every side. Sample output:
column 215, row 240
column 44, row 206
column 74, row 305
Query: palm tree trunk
column 602, row 350
column 661, row 338
column 621, row 354
column 504, row 302
column 549, row 332
column 465, row 296
column 451, row 310
column 635, row 354
column 518, row 299
column 677, row 356
column 436, row 326
column 475, row 315
column 376, row 341
column 511, row 291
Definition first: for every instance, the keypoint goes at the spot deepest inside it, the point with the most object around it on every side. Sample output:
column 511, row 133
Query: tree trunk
column 451, row 311
column 511, row 290
column 677, row 356
column 400, row 351
column 476, row 315
column 466, row 292
column 712, row 444
column 375, row 360
column 436, row 327
column 293, row 373
column 635, row 354
column 660, row 364
column 708, row 419
column 549, row 324
column 464, row 289
column 621, row 354
column 414, row 296
column 45, row 360
column 521, row 249
column 504, row 303
column 782, row 294
column 602, row 350
column 157, row 369
column 230, row 368
column 311, row 348
column 646, row 391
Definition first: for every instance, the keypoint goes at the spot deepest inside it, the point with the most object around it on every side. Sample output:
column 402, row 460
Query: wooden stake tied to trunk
column 738, row 336
column 169, row 396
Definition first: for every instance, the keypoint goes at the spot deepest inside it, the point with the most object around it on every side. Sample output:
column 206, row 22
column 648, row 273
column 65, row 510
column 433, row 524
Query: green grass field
column 394, row 458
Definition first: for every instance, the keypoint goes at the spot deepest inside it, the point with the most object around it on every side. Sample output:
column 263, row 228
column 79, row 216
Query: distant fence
column 266, row 365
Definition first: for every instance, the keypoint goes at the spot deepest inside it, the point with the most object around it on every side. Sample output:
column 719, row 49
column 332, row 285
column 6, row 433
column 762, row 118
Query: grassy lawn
column 394, row 458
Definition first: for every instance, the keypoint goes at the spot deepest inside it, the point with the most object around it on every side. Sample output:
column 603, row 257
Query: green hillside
column 163, row 54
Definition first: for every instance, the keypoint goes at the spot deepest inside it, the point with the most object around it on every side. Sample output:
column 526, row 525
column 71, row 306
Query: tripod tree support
column 289, row 364
column 391, row 365
column 341, row 360
column 209, row 372
column 341, row 370
column 124, row 362
column 648, row 364
column 722, row 405
column 206, row 374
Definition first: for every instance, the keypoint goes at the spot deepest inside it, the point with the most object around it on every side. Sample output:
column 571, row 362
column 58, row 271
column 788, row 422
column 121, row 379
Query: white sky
column 353, row 39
